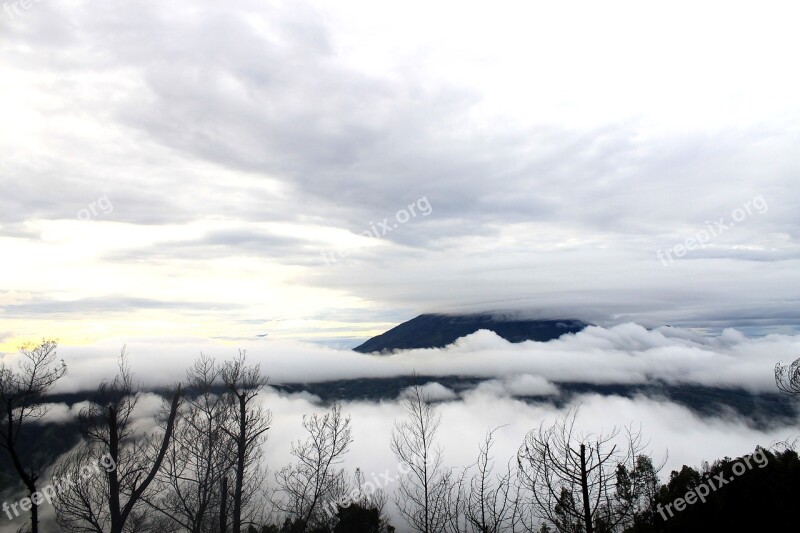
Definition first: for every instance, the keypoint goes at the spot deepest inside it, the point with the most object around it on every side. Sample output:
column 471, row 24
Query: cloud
column 623, row 354
column 436, row 392
column 43, row 306
column 672, row 431
column 229, row 121
column 61, row 412
column 527, row 385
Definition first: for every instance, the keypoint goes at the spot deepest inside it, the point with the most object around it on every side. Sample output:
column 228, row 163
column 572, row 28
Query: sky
column 205, row 172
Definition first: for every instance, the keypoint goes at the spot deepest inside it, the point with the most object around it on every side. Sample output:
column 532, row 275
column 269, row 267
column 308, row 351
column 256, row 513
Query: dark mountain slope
column 763, row 410
column 436, row 331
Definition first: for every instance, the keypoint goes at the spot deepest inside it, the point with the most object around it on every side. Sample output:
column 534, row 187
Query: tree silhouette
column 112, row 501
column 244, row 383
column 22, row 396
column 492, row 498
column 315, row 480
column 424, row 488
column 192, row 483
column 573, row 476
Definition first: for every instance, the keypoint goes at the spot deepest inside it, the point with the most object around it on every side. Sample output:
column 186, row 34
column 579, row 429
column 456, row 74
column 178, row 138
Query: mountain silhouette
column 438, row 330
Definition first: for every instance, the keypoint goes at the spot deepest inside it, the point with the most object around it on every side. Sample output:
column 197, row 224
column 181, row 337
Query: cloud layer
column 238, row 142
column 623, row 354
column 674, row 433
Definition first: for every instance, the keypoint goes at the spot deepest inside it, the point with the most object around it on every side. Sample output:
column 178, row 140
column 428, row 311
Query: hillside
column 438, row 330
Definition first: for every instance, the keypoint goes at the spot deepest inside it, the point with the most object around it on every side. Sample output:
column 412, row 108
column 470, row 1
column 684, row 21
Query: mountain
column 438, row 330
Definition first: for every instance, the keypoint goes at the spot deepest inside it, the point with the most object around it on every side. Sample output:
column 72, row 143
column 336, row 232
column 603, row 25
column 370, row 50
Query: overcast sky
column 208, row 170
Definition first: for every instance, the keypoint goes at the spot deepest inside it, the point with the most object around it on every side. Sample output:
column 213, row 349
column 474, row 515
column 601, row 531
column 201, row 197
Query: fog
column 673, row 432
column 626, row 353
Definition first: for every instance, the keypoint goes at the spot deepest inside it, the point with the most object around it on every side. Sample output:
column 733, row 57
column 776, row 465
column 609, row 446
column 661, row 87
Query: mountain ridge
column 437, row 330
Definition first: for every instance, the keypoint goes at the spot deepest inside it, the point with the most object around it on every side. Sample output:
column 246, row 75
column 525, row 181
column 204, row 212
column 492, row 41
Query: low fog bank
column 622, row 354
column 674, row 433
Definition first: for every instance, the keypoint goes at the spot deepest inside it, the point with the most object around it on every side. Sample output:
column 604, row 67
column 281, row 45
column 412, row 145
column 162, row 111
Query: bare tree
column 191, row 483
column 22, row 393
column 787, row 377
column 112, row 502
column 425, row 483
column 492, row 498
column 315, row 480
column 251, row 421
column 572, row 476
column 457, row 499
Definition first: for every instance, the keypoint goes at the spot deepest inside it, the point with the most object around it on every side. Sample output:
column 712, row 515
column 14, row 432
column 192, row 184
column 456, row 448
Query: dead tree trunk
column 223, row 507
column 587, row 510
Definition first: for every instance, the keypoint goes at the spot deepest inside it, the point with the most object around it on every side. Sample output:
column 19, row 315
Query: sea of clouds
column 627, row 353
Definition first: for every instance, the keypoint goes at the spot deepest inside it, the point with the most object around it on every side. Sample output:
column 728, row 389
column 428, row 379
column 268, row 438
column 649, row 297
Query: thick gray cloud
column 227, row 243
column 256, row 114
column 43, row 306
